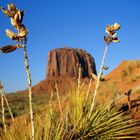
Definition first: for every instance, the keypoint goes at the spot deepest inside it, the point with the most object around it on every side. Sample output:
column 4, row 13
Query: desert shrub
column 19, row 104
column 135, row 77
column 131, row 71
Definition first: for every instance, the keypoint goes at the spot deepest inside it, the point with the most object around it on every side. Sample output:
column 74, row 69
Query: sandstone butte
column 64, row 67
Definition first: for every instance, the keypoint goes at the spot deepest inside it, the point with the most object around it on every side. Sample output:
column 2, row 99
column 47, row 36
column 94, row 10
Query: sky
column 73, row 23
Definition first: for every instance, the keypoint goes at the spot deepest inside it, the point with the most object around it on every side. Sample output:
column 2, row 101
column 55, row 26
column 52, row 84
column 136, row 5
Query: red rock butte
column 65, row 62
column 63, row 67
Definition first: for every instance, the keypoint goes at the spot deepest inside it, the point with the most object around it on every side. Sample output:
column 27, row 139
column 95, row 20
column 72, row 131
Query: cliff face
column 65, row 62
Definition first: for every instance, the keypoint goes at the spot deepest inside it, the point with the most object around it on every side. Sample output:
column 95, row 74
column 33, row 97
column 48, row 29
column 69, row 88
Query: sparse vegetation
column 105, row 123
column 131, row 71
column 19, row 103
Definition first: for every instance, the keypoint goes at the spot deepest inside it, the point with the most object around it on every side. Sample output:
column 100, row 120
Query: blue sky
column 74, row 23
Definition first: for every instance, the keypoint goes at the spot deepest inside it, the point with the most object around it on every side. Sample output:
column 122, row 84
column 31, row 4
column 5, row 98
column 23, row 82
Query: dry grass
column 105, row 122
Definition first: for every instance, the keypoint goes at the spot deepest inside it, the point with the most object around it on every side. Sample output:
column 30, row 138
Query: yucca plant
column 16, row 18
column 111, row 37
column 105, row 123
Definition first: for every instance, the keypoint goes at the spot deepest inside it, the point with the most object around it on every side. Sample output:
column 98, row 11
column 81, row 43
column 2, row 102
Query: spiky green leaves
column 111, row 33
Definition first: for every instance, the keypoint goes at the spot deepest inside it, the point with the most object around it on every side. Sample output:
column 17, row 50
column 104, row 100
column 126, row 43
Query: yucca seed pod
column 107, row 39
column 7, row 13
column 17, row 20
column 109, row 27
column 14, row 23
column 19, row 16
column 116, row 40
column 111, row 33
column 116, row 26
column 16, row 37
column 22, row 34
column 9, row 48
column 22, row 28
column 11, row 7
column 129, row 92
column 11, row 34
column 105, row 67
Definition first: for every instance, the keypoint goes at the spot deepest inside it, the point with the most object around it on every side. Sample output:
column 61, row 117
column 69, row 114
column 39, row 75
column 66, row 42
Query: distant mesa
column 63, row 68
column 65, row 62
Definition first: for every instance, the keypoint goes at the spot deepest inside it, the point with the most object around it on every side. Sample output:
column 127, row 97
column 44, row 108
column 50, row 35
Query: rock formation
column 65, row 62
column 63, row 68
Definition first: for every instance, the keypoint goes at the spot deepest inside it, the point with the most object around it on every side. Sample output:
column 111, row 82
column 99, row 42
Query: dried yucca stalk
column 6, row 101
column 111, row 37
column 3, row 98
column 16, row 18
column 2, row 106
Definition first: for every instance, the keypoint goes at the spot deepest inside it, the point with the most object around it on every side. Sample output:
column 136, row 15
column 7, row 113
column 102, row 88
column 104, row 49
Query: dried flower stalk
column 128, row 94
column 2, row 106
column 111, row 37
column 29, row 90
column 98, row 80
column 9, row 109
column 16, row 18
